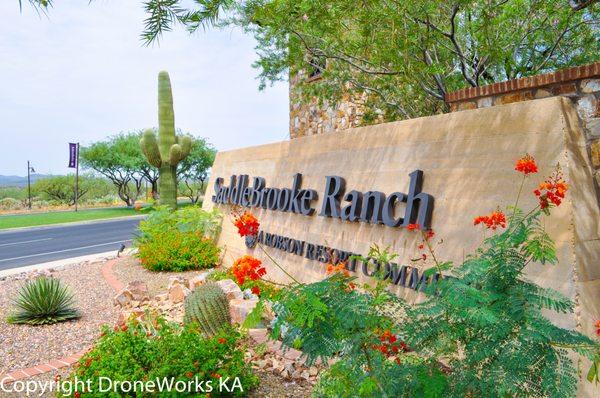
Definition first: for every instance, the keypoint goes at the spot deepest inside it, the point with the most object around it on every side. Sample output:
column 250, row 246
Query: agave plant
column 43, row 301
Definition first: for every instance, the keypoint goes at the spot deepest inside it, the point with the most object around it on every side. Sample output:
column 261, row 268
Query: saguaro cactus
column 166, row 152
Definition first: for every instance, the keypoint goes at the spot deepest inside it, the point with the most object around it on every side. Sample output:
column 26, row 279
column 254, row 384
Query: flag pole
column 77, row 177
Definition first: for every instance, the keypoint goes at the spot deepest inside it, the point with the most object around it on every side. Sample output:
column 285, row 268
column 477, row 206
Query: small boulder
column 123, row 299
column 139, row 290
column 197, row 280
column 161, row 297
column 178, row 293
column 177, row 280
column 240, row 308
column 231, row 289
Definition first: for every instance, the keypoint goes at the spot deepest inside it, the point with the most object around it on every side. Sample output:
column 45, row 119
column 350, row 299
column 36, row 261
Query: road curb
column 57, row 264
column 74, row 223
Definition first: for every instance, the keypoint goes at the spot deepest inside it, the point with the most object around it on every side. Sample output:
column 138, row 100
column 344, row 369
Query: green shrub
column 10, row 204
column 487, row 325
column 158, row 350
column 208, row 307
column 179, row 241
column 43, row 301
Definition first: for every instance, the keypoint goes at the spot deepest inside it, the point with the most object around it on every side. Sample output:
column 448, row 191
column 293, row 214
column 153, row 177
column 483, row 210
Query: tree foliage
column 192, row 171
column 61, row 189
column 120, row 159
column 399, row 57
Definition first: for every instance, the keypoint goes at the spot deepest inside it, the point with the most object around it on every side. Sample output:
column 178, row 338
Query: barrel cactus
column 169, row 149
column 208, row 306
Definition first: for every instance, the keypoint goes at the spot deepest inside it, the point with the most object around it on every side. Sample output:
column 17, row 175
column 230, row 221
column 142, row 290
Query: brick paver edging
column 55, row 364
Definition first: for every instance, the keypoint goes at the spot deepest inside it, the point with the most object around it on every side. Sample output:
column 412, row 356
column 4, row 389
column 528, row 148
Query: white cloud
column 82, row 73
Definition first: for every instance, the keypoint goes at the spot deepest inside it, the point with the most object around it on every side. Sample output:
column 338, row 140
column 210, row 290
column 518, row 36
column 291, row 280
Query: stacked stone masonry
column 581, row 84
column 310, row 118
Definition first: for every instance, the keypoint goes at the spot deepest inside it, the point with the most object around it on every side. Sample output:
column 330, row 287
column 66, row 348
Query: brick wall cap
column 530, row 82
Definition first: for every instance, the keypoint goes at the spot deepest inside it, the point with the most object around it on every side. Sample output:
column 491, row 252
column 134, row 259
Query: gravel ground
column 129, row 270
column 24, row 346
column 274, row 386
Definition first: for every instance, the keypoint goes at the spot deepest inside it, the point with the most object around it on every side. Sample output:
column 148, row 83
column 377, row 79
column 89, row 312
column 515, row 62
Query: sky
column 81, row 74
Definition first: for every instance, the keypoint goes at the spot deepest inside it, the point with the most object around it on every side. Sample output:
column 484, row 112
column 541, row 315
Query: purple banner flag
column 72, row 155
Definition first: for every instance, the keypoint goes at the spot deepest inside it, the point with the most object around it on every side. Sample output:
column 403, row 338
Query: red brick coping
column 258, row 335
column 547, row 79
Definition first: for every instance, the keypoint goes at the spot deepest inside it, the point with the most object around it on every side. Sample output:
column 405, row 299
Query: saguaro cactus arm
column 186, row 144
column 150, row 148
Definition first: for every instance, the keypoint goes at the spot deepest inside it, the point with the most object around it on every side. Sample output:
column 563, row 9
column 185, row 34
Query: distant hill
column 18, row 181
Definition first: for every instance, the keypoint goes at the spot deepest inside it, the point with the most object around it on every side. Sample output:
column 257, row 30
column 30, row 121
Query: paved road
column 39, row 245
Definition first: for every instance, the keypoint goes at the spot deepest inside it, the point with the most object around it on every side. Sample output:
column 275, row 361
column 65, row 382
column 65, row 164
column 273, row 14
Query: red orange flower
column 493, row 221
column 526, row 165
column 335, row 269
column 429, row 234
column 552, row 190
column 413, row 227
column 189, row 375
column 248, row 267
column 222, row 340
column 256, row 290
column 389, row 344
column 246, row 224
column 598, row 328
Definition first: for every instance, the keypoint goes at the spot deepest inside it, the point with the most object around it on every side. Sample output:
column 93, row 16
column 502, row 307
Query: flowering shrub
column 246, row 224
column 157, row 350
column 247, row 267
column 482, row 332
column 526, row 165
column 493, row 221
column 173, row 250
column 551, row 191
column 178, row 241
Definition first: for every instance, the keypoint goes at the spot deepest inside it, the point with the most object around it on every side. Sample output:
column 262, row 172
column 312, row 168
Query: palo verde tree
column 169, row 149
column 193, row 170
column 120, row 160
column 401, row 57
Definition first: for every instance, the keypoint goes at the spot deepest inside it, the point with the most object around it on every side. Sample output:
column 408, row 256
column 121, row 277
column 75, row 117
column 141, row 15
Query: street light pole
column 28, row 185
column 77, row 178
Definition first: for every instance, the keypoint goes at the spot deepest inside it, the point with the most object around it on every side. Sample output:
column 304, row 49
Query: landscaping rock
column 248, row 295
column 178, row 293
column 134, row 291
column 176, row 281
column 196, row 281
column 231, row 289
column 240, row 308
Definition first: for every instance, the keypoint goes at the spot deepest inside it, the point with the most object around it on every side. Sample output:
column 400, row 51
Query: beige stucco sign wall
column 467, row 159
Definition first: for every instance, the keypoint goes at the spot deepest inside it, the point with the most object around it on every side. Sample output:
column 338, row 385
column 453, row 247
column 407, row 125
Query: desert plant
column 166, row 152
column 483, row 330
column 208, row 307
column 155, row 350
column 10, row 204
column 179, row 240
column 43, row 301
